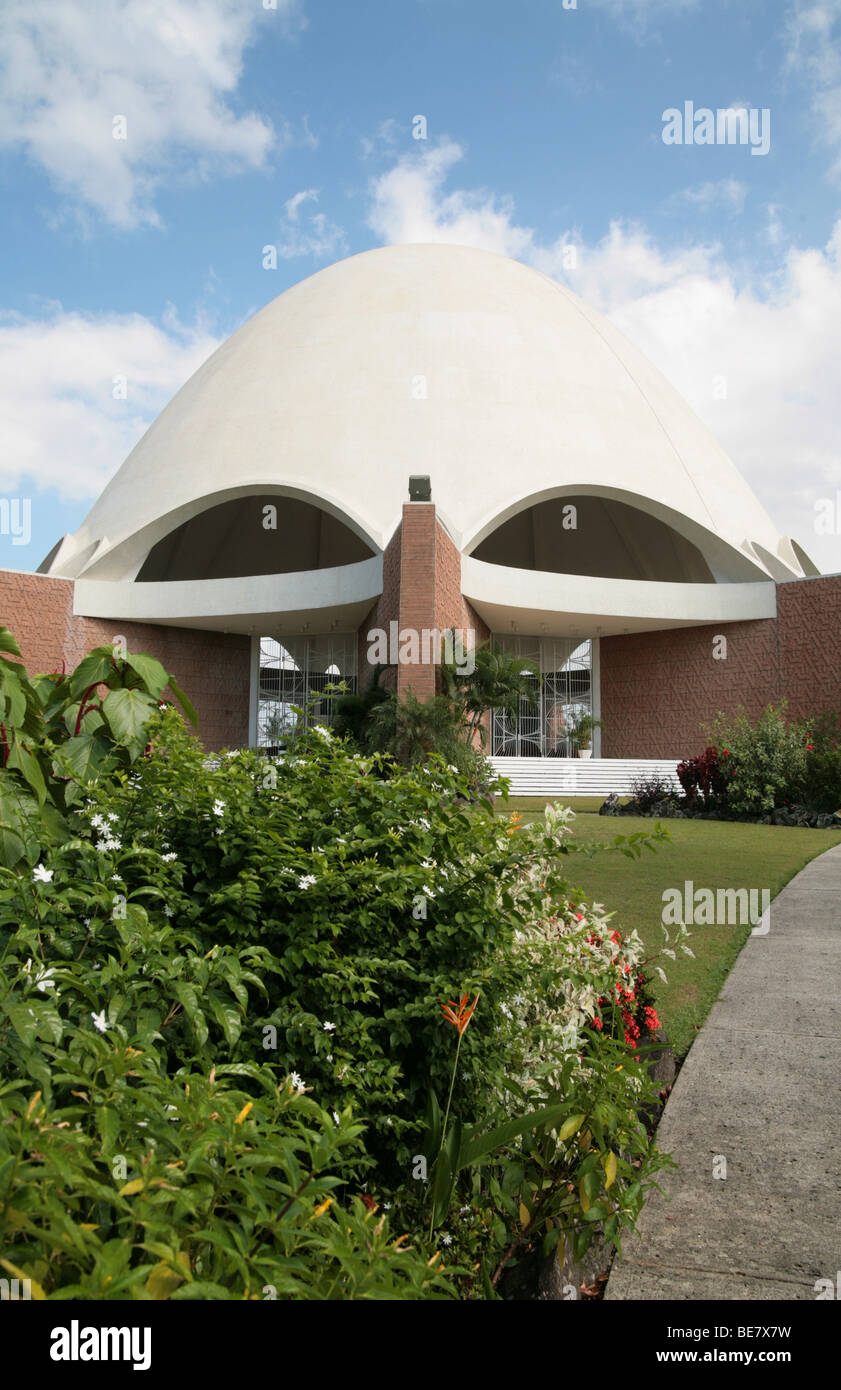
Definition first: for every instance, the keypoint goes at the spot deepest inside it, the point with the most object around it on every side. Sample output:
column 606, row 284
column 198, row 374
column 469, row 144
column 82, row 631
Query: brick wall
column 809, row 615
column 417, row 590
column 212, row 668
column 659, row 688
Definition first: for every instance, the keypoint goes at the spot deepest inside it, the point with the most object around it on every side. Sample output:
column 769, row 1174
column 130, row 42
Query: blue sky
column 292, row 126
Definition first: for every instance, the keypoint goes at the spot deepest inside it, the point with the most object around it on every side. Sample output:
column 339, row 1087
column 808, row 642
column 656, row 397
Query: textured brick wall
column 421, row 590
column 212, row 668
column 659, row 688
column 809, row 615
column 417, row 589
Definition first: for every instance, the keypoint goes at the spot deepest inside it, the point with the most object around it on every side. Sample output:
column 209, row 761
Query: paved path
column 762, row 1087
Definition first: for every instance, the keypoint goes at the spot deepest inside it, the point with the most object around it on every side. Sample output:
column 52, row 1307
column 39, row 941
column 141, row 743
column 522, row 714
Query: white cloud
column 313, row 236
column 60, row 423
column 169, row 67
column 408, row 204
column 775, row 338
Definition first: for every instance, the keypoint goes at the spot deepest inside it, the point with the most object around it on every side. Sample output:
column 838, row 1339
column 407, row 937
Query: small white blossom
column 329, row 1027
column 99, row 1021
column 336, row 1118
column 446, row 1239
column 218, row 808
column 168, row 858
column 41, row 874
column 167, row 912
column 297, row 1081
column 306, row 881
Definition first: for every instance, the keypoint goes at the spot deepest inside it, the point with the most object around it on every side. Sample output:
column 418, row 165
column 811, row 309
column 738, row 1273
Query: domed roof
column 488, row 376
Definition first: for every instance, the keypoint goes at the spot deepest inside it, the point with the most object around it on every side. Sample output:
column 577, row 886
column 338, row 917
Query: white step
column 582, row 776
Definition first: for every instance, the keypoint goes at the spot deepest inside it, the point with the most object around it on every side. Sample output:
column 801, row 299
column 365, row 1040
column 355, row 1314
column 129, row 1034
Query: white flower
column 98, row 822
column 329, row 1027
column 336, row 1118
column 306, row 880
column 329, row 1056
column 112, row 816
column 167, row 912
column 41, row 874
column 44, row 980
column 297, row 1081
column 218, row 808
column 99, row 1021
column 452, row 767
column 322, row 731
column 446, row 1239
column 168, row 858
column 386, row 1206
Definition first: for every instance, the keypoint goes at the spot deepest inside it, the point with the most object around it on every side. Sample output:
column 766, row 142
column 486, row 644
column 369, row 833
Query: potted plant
column 582, row 733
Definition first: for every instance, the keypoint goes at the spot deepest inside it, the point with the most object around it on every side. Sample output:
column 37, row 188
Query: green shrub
column 265, row 945
column 60, row 734
column 130, row 1165
column 763, row 764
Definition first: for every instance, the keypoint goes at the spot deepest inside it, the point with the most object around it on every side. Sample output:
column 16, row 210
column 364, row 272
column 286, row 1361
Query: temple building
column 565, row 501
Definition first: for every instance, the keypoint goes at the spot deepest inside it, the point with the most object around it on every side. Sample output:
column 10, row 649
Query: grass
column 713, row 854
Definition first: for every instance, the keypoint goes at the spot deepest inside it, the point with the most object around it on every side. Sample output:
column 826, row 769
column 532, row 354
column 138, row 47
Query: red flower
column 458, row 1013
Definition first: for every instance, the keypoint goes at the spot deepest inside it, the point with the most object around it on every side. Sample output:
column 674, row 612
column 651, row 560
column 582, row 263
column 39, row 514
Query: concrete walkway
column 761, row 1087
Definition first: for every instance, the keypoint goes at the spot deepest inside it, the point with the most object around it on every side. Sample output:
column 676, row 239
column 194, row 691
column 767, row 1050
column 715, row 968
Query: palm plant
column 497, row 681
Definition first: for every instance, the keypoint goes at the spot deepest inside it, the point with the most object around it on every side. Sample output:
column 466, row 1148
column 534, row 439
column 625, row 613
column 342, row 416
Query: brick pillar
column 417, row 591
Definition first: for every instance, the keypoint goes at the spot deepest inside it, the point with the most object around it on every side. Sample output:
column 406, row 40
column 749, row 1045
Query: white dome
column 488, row 376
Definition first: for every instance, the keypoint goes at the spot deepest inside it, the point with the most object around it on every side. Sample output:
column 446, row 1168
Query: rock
column 611, row 806
column 661, row 1062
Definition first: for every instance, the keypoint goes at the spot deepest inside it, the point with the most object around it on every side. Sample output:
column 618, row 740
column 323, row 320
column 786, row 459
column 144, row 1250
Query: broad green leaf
column 570, row 1127
column 23, row 1019
column 610, row 1169
column 477, row 1147
column 22, row 759
column 164, row 1280
column 93, row 670
column 128, row 713
column 227, row 1018
column 151, row 672
column 185, row 704
column 188, row 998
column 85, row 756
column 130, row 1188
column 12, row 690
column 8, row 643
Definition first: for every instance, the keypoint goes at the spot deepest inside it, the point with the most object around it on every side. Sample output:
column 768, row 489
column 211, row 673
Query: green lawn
column 713, row 854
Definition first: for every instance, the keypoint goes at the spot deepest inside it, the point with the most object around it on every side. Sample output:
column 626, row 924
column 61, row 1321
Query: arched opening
column 598, row 537
column 259, row 534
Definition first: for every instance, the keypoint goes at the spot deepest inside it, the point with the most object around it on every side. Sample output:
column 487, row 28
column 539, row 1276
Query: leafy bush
column 647, row 791
column 763, row 764
column 138, row 1169
column 822, row 784
column 703, row 776
column 60, row 734
column 200, row 930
